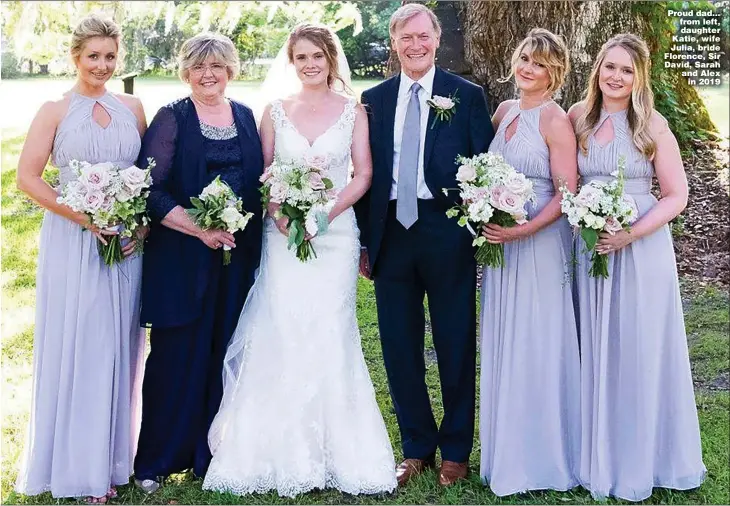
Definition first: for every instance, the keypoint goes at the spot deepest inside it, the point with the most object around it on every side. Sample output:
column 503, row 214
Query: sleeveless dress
column 530, row 368
column 639, row 418
column 88, row 346
column 299, row 410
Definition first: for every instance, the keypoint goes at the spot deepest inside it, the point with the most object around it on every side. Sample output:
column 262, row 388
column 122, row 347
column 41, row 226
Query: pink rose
column 96, row 177
column 93, row 201
column 495, row 194
column 277, row 193
column 612, row 225
column 510, row 203
column 315, row 181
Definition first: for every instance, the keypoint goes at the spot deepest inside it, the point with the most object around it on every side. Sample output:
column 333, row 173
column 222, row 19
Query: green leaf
column 462, row 221
column 590, row 236
column 452, row 213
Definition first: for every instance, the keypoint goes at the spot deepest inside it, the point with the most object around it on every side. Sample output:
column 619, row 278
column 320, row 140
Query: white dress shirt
column 404, row 96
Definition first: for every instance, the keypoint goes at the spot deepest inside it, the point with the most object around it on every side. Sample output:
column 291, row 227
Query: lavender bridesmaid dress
column 639, row 419
column 530, row 371
column 88, row 344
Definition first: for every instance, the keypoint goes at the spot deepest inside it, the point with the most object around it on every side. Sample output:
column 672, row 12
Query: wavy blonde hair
column 547, row 49
column 641, row 105
column 93, row 25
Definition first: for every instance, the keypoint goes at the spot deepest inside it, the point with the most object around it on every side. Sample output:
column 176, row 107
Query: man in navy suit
column 412, row 249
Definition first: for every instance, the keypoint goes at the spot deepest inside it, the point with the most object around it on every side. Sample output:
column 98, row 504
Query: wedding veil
column 282, row 81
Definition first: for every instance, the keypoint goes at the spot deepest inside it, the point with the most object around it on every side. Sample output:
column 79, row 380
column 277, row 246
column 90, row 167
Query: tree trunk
column 43, row 69
column 493, row 29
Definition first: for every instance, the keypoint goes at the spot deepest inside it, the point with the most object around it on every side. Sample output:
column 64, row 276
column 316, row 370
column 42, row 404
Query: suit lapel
column 390, row 100
column 439, row 88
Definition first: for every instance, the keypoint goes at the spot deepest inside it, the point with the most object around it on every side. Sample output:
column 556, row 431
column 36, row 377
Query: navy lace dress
column 191, row 301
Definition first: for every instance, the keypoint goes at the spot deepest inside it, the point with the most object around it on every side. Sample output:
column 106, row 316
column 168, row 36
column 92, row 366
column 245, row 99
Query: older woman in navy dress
column 191, row 301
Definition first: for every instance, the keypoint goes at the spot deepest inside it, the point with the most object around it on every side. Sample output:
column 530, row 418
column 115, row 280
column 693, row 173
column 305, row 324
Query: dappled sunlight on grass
column 706, row 316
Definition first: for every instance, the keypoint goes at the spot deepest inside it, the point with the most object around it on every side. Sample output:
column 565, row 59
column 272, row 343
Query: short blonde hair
column 547, row 49
column 410, row 11
column 197, row 49
column 89, row 27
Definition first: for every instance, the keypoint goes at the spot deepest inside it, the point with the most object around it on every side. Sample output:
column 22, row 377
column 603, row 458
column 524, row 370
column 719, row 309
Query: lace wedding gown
column 299, row 409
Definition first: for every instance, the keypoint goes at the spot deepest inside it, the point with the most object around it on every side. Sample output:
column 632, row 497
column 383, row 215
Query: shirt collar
column 426, row 82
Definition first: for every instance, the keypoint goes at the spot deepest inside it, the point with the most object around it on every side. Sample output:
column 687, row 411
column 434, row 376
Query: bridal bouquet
column 113, row 198
column 492, row 191
column 599, row 206
column 218, row 207
column 305, row 196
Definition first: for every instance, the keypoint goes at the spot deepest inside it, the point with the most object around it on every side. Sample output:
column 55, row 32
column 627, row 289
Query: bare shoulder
column 658, row 124
column 576, row 111
column 130, row 101
column 54, row 110
column 502, row 109
column 554, row 116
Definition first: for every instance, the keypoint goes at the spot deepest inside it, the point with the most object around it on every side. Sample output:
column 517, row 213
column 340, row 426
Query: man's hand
column 365, row 264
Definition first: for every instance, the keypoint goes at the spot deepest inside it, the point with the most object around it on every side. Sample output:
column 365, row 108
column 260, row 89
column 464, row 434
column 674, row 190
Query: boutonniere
column 444, row 107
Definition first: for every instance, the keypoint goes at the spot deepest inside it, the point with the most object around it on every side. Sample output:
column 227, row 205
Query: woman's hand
column 608, row 243
column 282, row 224
column 496, row 234
column 139, row 236
column 215, row 238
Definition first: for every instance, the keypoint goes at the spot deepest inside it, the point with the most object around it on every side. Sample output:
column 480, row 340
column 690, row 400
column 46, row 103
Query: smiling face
column 97, row 60
column 310, row 62
column 616, row 76
column 416, row 42
column 530, row 75
column 209, row 78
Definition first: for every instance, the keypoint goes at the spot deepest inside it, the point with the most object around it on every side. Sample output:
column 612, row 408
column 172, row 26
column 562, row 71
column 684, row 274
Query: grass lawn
column 706, row 313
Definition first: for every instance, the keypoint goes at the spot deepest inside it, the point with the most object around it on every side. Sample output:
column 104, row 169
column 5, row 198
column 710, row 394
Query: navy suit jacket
column 176, row 266
column 468, row 133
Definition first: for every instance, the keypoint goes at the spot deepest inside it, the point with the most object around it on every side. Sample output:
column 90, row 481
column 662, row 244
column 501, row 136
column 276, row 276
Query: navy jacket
column 469, row 133
column 176, row 265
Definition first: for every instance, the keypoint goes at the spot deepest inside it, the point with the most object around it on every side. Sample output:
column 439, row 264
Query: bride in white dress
column 299, row 409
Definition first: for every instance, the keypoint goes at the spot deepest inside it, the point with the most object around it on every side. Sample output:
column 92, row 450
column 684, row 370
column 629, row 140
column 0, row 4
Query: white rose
column 520, row 218
column 440, row 102
column 214, row 189
column 134, row 178
column 517, row 183
column 589, row 196
column 230, row 216
column 466, row 173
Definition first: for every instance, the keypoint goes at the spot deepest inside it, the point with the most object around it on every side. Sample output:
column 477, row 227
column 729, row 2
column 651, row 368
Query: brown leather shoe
column 410, row 468
column 451, row 472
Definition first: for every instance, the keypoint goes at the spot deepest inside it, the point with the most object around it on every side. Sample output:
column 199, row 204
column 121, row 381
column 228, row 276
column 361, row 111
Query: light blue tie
column 406, row 211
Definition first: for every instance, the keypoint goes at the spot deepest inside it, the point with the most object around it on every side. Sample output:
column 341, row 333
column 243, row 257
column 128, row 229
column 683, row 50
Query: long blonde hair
column 641, row 105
